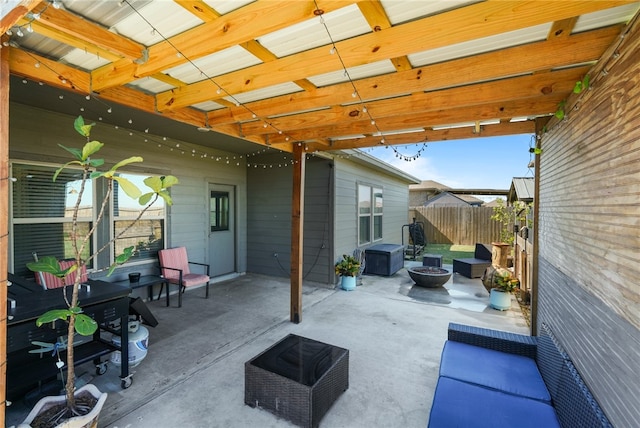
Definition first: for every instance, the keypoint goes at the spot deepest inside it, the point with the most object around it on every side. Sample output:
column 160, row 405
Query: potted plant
column 504, row 285
column 348, row 269
column 71, row 406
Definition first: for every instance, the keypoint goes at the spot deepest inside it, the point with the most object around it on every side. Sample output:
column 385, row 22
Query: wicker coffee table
column 297, row 379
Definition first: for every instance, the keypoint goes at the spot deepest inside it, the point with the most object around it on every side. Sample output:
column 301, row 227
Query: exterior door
column 222, row 233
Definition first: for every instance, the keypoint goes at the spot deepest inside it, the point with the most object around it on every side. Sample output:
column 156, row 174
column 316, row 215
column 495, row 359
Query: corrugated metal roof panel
column 486, row 44
column 603, row 18
column 367, row 70
column 342, row 23
column 226, row 6
column 400, row 11
column 151, row 85
column 268, row 92
column 208, row 106
column 168, row 19
column 224, row 61
column 107, row 13
column 84, row 60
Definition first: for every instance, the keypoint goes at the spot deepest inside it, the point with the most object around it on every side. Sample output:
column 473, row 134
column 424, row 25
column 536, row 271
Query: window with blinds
column 147, row 235
column 42, row 212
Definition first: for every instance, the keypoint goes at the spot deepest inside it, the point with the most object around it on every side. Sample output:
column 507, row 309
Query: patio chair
column 174, row 266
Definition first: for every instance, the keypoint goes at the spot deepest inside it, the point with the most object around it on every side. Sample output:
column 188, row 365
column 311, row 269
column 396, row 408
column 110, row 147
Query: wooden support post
column 4, row 221
column 540, row 123
column 297, row 227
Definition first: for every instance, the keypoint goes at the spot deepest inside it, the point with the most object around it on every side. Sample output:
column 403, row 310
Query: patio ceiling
column 330, row 74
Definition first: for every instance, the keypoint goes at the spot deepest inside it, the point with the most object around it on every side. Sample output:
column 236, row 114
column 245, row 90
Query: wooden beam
column 430, row 136
column 61, row 36
column 532, row 86
column 577, row 49
column 529, row 107
column 376, row 16
column 18, row 10
column 84, row 31
column 44, row 70
column 297, row 229
column 481, row 20
column 234, row 28
column 200, row 9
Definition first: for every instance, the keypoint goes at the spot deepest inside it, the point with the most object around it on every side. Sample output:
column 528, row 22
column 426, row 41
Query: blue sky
column 489, row 162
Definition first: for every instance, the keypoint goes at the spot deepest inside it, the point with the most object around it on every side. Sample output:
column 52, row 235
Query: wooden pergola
column 310, row 76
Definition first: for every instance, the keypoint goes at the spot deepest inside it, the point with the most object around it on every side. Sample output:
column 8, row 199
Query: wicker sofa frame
column 474, row 267
column 574, row 405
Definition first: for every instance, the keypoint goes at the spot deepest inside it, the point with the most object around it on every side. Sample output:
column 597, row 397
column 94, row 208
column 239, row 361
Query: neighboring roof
column 428, row 185
column 331, row 75
column 522, row 189
column 493, row 203
column 464, row 194
column 472, row 200
column 444, row 199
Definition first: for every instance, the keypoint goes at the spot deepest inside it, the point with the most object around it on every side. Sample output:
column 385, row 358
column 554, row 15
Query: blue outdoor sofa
column 491, row 378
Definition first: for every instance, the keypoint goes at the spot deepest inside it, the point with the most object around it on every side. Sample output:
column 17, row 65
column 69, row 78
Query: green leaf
column 59, row 170
column 158, row 183
column 144, row 199
column 85, row 325
column 165, row 195
column 81, row 128
column 48, row 264
column 132, row 159
column 127, row 253
column 77, row 153
column 128, row 187
column 121, row 259
column 90, row 148
column 577, row 88
column 52, row 315
column 560, row 112
column 96, row 162
column 537, row 151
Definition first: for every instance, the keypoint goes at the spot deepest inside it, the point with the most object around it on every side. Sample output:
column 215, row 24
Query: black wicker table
column 297, row 379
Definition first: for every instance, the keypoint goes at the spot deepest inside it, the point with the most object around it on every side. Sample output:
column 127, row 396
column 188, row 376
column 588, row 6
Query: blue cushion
column 510, row 373
column 464, row 405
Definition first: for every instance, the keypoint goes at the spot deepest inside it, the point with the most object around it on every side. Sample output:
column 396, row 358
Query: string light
column 355, row 94
column 180, row 54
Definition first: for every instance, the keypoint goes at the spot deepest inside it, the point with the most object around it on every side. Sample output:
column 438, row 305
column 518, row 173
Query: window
column 42, row 213
column 369, row 214
column 147, row 235
column 219, row 211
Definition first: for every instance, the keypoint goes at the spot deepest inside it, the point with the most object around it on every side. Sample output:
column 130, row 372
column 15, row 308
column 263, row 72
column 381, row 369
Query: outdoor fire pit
column 428, row 276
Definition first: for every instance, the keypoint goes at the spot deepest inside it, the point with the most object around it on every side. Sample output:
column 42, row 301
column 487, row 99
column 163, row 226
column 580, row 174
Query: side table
column 145, row 281
column 297, row 379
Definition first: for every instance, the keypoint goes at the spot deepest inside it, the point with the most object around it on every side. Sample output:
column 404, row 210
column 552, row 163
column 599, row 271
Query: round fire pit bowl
column 430, row 277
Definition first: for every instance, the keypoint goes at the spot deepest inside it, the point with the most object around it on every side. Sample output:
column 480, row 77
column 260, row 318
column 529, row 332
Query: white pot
column 500, row 300
column 90, row 420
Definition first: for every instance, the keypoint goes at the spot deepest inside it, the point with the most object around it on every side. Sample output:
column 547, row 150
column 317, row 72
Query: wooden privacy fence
column 457, row 225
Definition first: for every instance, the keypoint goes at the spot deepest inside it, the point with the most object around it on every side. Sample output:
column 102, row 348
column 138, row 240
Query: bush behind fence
column 457, row 225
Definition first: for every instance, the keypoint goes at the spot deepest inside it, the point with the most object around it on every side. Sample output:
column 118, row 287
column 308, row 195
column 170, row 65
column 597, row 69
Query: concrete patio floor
column 193, row 375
